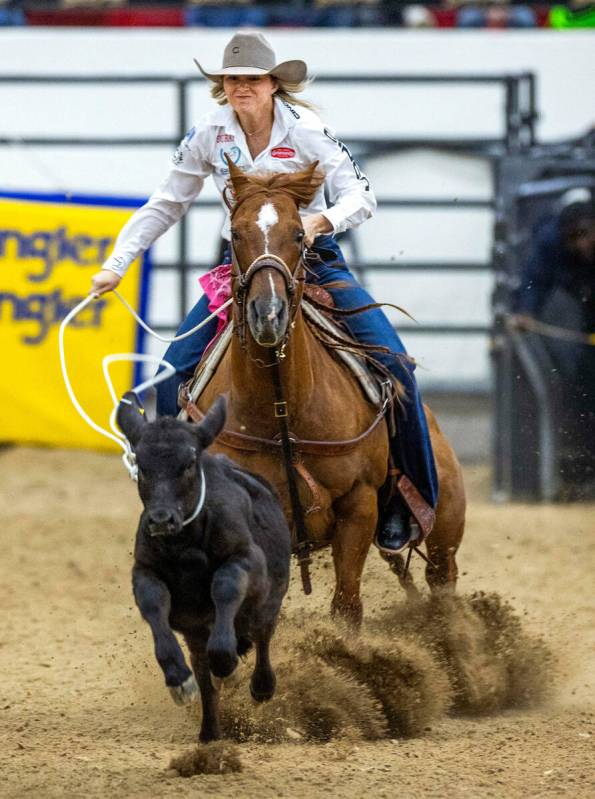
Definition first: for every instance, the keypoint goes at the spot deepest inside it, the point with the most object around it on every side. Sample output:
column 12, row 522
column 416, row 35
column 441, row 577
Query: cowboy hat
column 251, row 54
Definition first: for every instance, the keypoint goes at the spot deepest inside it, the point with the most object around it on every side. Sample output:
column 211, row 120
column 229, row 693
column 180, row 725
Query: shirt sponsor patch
column 343, row 147
column 224, row 137
column 283, row 152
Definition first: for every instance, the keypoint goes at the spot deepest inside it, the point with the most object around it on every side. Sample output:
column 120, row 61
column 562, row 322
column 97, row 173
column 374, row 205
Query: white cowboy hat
column 251, row 54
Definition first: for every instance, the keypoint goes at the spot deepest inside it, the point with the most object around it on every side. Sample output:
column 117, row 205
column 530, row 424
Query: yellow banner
column 48, row 252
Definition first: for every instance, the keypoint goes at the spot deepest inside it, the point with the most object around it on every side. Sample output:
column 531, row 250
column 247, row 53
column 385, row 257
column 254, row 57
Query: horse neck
column 252, row 391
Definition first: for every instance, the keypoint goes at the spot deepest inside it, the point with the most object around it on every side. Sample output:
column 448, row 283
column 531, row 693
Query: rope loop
column 116, row 435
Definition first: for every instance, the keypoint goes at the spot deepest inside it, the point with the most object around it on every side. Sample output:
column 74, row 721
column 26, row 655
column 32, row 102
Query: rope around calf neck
column 116, row 435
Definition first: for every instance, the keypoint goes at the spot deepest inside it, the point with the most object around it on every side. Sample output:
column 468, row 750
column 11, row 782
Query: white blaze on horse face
column 267, row 217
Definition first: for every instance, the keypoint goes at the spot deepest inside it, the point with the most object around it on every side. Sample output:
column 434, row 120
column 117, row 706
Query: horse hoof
column 186, row 693
column 216, row 682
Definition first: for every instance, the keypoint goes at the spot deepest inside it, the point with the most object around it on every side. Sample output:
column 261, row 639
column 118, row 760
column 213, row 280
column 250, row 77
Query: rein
column 302, row 549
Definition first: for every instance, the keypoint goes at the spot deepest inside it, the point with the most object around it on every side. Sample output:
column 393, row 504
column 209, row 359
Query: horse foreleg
column 356, row 514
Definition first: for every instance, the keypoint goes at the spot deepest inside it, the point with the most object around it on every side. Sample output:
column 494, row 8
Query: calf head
column 168, row 454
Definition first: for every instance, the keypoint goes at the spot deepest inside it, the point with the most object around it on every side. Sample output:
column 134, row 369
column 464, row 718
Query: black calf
column 211, row 557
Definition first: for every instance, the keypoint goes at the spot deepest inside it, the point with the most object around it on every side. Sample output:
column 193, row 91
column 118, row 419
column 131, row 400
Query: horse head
column 168, row 455
column 267, row 246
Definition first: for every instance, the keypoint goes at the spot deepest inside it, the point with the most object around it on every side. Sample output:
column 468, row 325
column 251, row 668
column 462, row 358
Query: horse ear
column 239, row 179
column 131, row 417
column 210, row 427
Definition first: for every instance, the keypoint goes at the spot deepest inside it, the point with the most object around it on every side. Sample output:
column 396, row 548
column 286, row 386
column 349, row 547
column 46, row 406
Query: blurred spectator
column 418, row 17
column 558, row 287
column 563, row 256
column 578, row 14
column 495, row 15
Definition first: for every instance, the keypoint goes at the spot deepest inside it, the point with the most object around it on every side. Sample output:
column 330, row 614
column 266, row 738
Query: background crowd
column 300, row 13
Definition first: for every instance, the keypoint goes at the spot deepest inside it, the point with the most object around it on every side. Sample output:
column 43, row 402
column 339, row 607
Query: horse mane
column 299, row 186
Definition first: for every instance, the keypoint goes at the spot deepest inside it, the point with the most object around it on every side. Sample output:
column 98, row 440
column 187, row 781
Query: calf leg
column 154, row 603
column 210, row 728
column 263, row 682
column 228, row 591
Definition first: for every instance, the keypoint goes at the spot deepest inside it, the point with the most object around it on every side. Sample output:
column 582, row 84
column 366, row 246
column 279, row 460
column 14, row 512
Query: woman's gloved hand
column 103, row 281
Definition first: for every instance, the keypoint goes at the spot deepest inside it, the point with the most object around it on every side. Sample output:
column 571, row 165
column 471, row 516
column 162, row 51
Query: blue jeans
column 412, row 448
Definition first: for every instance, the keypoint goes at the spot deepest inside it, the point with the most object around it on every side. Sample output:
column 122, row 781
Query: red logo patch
column 283, row 152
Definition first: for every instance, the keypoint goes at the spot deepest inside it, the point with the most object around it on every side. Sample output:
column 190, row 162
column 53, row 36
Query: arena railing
column 519, row 112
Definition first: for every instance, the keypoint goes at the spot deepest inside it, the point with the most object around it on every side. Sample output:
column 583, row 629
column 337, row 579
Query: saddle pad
column 354, row 363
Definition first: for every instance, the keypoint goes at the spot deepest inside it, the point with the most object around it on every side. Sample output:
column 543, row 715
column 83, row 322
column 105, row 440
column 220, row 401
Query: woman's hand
column 314, row 225
column 103, row 281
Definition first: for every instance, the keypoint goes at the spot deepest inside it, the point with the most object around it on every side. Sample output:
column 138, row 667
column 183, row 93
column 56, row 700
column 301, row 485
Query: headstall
column 244, row 279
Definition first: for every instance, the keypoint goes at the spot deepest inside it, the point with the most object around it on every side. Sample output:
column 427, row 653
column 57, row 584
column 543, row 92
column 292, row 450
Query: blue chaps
column 411, row 447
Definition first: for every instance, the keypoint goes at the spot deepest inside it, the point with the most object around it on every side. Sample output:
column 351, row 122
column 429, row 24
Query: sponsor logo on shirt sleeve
column 291, row 109
column 283, row 152
column 178, row 157
column 344, row 149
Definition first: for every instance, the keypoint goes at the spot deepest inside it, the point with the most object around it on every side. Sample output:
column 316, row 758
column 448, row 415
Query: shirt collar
column 284, row 119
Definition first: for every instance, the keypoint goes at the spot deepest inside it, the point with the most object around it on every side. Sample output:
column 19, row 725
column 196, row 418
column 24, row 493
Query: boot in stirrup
column 398, row 530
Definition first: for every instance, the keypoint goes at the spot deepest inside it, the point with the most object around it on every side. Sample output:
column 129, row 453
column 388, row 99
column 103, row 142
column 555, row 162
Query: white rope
column 174, row 338
column 201, row 499
column 116, row 435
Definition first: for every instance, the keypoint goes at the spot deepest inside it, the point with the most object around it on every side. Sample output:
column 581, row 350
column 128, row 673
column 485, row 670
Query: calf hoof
column 244, row 645
column 186, row 693
column 262, row 686
column 209, row 733
column 222, row 662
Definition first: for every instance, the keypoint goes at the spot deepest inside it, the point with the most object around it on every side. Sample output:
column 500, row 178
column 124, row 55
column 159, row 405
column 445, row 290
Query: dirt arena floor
column 470, row 697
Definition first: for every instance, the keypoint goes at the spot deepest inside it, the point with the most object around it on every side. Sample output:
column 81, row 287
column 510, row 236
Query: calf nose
column 161, row 520
column 161, row 516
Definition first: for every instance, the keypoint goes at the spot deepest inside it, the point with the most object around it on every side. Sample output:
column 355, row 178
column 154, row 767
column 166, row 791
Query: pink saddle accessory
column 216, row 284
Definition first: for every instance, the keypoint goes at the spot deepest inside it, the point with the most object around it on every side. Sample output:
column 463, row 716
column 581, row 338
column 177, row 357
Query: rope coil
column 128, row 457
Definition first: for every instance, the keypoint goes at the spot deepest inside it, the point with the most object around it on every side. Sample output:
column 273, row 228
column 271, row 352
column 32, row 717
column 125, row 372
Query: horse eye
column 235, row 235
column 299, row 236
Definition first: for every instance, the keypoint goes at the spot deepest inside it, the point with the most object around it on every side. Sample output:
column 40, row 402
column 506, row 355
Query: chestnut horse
column 324, row 400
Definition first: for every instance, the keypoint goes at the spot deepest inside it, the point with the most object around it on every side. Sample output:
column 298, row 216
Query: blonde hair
column 285, row 91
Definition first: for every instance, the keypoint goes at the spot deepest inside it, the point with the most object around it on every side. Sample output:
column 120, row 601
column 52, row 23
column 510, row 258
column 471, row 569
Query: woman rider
column 264, row 127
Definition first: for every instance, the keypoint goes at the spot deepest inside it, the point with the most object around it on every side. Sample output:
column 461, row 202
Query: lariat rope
column 552, row 331
column 116, row 435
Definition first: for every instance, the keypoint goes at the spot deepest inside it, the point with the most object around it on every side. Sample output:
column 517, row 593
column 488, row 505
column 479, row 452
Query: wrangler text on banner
column 49, row 249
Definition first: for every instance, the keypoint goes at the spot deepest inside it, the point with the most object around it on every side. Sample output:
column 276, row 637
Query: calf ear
column 131, row 417
column 210, row 427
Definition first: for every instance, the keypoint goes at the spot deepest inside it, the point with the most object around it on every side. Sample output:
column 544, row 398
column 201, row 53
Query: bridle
column 243, row 282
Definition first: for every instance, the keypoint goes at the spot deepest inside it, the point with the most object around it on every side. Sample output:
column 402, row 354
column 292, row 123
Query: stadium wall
column 562, row 62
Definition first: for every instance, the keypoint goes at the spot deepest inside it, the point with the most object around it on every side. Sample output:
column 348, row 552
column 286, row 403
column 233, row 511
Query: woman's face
column 249, row 94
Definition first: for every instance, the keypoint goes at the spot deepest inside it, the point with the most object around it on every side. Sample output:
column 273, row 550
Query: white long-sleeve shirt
column 298, row 138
